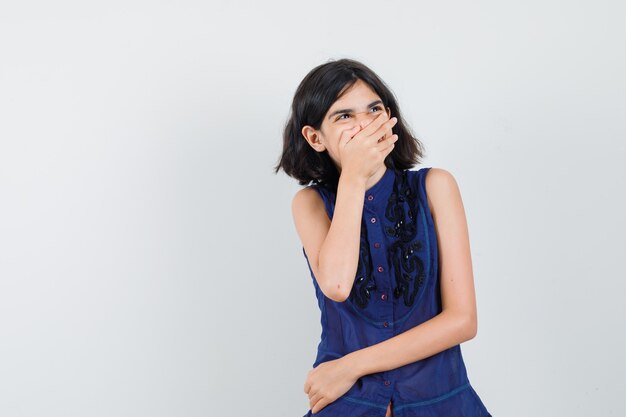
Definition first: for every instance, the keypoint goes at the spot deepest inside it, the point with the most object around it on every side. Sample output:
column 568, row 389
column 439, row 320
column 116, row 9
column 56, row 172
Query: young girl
column 388, row 251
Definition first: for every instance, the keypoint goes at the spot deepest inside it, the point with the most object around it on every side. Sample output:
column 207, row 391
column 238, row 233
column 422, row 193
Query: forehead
column 360, row 93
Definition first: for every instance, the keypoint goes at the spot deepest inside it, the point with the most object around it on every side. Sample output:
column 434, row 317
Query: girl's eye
column 340, row 117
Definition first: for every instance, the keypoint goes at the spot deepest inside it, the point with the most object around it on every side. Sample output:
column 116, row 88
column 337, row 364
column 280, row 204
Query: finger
column 314, row 399
column 386, row 136
column 319, row 405
column 384, row 141
column 384, row 154
column 388, row 144
column 392, row 146
column 389, row 132
column 384, row 130
column 347, row 135
column 375, row 125
column 383, row 133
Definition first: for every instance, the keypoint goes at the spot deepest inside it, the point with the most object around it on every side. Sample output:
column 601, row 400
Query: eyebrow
column 373, row 103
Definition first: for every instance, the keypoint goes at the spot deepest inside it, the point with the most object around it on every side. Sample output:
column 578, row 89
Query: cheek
column 343, row 130
column 333, row 135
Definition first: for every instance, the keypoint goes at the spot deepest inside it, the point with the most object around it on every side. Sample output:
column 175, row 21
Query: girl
column 388, row 251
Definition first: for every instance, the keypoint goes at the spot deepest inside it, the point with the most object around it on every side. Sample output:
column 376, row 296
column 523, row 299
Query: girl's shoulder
column 431, row 175
column 437, row 186
column 317, row 191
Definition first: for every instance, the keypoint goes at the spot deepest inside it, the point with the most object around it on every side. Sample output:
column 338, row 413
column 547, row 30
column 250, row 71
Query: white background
column 149, row 265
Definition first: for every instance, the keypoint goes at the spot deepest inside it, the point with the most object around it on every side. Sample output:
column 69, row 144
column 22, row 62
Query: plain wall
column 149, row 265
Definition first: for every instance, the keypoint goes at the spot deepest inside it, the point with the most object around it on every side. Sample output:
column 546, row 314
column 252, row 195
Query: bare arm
column 457, row 322
column 332, row 248
column 340, row 254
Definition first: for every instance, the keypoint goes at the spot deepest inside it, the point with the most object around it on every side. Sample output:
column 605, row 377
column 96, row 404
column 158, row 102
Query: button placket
column 376, row 233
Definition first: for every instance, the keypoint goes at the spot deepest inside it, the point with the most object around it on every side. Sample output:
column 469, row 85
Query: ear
column 388, row 112
column 312, row 136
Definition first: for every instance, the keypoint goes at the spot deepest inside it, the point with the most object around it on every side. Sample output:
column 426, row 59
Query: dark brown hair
column 317, row 92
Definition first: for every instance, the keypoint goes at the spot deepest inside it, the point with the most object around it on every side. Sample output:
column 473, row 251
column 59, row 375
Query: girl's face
column 358, row 106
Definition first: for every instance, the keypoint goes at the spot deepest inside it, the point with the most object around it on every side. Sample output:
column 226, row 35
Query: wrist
column 354, row 362
column 352, row 181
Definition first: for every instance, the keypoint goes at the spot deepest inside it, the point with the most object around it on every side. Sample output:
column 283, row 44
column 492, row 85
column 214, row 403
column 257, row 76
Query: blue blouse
column 396, row 288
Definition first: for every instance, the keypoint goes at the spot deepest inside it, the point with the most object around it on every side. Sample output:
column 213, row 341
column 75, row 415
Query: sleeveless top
column 396, row 287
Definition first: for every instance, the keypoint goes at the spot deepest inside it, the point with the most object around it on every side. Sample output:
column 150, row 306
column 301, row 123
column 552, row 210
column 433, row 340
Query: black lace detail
column 364, row 282
column 407, row 266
